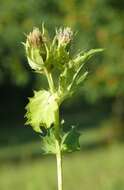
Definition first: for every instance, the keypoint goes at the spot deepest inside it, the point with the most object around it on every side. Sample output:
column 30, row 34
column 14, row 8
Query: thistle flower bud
column 35, row 50
column 64, row 36
column 35, row 38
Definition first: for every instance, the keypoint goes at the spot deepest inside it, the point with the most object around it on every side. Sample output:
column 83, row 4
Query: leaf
column 78, row 64
column 81, row 78
column 74, row 73
column 78, row 74
column 83, row 58
column 48, row 143
column 70, row 141
column 40, row 110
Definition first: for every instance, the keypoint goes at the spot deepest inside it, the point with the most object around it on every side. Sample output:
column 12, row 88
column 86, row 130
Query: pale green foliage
column 65, row 74
column 41, row 109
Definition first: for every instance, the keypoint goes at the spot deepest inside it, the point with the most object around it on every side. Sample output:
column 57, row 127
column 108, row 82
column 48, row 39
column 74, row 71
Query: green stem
column 58, row 148
column 57, row 133
column 59, row 168
column 50, row 81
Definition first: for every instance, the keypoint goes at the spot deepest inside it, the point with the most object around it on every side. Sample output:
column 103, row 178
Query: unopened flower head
column 35, row 49
column 64, row 36
column 35, row 38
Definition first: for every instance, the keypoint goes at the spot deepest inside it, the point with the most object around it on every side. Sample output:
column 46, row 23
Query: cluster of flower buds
column 40, row 53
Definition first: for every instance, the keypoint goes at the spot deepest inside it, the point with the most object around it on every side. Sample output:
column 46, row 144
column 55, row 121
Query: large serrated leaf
column 40, row 110
column 70, row 141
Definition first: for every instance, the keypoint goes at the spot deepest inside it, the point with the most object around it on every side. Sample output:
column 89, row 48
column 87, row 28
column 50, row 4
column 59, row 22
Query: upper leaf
column 41, row 109
column 83, row 57
column 74, row 74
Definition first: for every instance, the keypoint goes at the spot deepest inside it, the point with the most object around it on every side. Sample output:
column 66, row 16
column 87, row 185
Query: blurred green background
column 97, row 110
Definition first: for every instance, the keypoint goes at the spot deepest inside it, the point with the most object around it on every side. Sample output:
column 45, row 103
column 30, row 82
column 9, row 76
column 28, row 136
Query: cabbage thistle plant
column 65, row 74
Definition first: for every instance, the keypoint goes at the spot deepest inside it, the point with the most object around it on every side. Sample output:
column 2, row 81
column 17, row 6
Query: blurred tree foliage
column 17, row 18
column 99, row 23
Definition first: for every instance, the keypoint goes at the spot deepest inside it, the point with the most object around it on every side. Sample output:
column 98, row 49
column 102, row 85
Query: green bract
column 65, row 74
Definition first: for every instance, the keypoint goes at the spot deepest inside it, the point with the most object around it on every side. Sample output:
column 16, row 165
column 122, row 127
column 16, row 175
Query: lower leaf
column 70, row 141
